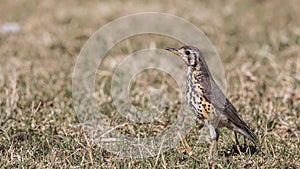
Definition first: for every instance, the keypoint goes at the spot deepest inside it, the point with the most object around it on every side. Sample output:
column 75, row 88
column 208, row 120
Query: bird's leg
column 213, row 150
column 237, row 143
column 244, row 141
column 236, row 139
column 214, row 146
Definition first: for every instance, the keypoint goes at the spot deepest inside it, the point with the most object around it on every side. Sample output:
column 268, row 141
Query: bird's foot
column 213, row 158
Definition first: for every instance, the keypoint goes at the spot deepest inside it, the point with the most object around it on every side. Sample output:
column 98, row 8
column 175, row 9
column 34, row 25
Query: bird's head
column 191, row 55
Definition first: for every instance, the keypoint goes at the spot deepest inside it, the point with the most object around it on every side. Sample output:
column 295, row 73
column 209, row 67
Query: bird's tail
column 245, row 130
column 237, row 124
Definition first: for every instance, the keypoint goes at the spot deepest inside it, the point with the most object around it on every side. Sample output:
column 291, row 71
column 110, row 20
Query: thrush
column 207, row 101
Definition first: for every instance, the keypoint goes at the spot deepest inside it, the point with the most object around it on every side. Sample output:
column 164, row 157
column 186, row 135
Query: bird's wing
column 216, row 97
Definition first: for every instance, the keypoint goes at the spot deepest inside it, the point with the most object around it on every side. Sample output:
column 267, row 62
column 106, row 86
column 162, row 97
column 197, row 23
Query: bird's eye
column 187, row 52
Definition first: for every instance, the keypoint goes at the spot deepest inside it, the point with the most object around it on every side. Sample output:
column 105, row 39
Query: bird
column 207, row 101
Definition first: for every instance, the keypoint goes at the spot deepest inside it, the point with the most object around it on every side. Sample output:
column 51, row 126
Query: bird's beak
column 173, row 50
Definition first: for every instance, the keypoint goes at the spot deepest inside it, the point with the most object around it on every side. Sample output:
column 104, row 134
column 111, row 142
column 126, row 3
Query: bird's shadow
column 238, row 149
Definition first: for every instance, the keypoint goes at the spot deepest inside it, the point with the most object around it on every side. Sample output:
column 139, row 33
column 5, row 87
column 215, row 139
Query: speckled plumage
column 207, row 100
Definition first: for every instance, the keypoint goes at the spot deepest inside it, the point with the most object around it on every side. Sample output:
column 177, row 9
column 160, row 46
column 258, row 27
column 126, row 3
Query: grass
column 258, row 43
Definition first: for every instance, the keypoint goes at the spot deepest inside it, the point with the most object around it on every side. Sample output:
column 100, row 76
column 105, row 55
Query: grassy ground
column 259, row 45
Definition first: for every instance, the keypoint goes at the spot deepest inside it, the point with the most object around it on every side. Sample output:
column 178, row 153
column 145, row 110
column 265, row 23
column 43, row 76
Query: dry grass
column 258, row 42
